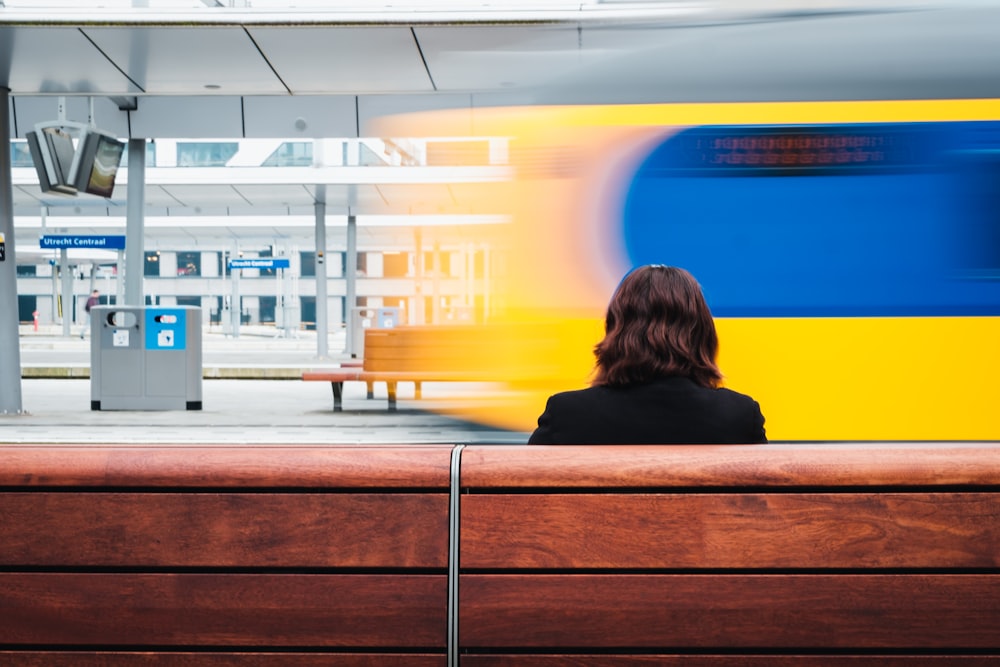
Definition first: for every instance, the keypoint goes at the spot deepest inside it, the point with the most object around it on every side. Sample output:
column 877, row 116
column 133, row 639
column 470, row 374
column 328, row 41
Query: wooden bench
column 481, row 556
column 773, row 556
column 223, row 555
column 410, row 354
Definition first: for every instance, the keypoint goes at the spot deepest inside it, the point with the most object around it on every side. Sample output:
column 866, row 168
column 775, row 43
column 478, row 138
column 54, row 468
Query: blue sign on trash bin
column 165, row 329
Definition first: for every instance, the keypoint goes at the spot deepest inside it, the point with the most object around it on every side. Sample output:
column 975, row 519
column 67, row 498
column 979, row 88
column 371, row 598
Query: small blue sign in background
column 260, row 263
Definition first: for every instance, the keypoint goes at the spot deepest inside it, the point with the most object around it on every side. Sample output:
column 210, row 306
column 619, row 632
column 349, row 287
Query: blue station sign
column 72, row 241
column 260, row 263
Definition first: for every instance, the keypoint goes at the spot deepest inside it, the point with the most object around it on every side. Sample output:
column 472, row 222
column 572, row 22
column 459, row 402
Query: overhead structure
column 330, row 69
column 304, row 72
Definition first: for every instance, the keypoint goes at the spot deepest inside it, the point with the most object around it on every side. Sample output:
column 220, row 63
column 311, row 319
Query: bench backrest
column 501, row 555
column 241, row 551
column 422, row 349
column 729, row 555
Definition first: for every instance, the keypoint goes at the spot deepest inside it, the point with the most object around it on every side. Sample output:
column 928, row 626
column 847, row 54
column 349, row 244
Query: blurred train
column 850, row 252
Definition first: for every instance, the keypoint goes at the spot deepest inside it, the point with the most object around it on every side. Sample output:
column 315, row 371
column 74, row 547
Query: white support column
column 66, row 278
column 322, row 320
column 351, row 299
column 134, row 223
column 235, row 307
column 436, row 316
column 120, row 276
column 419, row 312
column 10, row 337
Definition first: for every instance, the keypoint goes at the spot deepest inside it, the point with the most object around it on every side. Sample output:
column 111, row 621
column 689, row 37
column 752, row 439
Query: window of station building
column 27, row 305
column 291, row 154
column 308, row 313
column 307, row 263
column 189, row 301
column 189, row 263
column 205, row 153
column 362, row 263
column 267, row 305
column 444, row 268
column 150, row 156
column 20, row 156
column 27, row 270
column 395, row 264
column 151, row 265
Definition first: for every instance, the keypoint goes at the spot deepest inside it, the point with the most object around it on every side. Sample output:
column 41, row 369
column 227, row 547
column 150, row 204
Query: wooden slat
column 752, row 530
column 435, row 349
column 601, row 660
column 332, row 375
column 96, row 609
column 432, row 368
column 321, row 466
column 242, row 659
column 636, row 466
column 224, row 529
column 760, row 611
column 439, row 336
column 393, row 372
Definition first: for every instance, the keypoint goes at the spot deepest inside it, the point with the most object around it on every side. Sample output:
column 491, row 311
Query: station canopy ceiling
column 327, row 69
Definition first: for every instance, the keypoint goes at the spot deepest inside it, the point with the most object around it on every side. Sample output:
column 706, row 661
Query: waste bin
column 364, row 317
column 145, row 358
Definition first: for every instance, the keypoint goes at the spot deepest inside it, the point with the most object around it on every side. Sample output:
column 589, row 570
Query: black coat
column 672, row 410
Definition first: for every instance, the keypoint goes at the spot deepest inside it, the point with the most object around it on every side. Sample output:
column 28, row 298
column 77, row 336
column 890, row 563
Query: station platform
column 251, row 393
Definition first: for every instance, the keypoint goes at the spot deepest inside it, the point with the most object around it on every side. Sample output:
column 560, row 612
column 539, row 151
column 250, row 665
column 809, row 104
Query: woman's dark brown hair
column 657, row 325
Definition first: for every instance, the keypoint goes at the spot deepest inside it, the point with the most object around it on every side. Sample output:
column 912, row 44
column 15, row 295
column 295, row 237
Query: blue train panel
column 867, row 220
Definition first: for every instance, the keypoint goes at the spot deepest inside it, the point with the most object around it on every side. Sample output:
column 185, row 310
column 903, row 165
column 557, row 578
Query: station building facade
column 424, row 267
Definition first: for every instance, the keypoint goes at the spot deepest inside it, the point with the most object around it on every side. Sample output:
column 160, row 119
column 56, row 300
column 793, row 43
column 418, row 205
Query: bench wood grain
column 721, row 555
column 803, row 554
column 149, row 553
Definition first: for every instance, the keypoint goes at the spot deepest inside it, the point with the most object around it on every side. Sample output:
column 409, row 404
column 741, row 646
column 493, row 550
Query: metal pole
column 235, row 308
column 54, row 310
column 134, row 224
column 66, row 276
column 279, row 296
column 120, row 277
column 225, row 315
column 10, row 336
column 419, row 312
column 436, row 283
column 351, row 301
column 55, row 290
column 322, row 326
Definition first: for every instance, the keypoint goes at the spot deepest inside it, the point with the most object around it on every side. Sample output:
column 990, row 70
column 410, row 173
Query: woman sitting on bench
column 656, row 380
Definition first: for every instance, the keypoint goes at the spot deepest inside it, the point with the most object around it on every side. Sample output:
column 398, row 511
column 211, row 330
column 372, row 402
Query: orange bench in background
column 408, row 354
